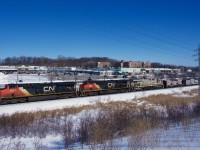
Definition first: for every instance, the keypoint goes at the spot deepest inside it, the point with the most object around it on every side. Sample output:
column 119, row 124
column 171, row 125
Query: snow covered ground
column 173, row 138
column 12, row 78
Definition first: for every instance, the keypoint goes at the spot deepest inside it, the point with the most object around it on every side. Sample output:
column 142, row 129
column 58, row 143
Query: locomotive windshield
column 2, row 86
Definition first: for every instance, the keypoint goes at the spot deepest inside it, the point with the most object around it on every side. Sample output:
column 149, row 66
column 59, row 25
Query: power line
column 138, row 42
column 133, row 42
column 175, row 52
column 186, row 49
column 199, row 68
column 181, row 44
column 156, row 38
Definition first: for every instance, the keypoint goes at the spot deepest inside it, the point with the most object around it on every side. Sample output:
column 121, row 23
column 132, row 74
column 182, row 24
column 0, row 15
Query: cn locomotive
column 28, row 92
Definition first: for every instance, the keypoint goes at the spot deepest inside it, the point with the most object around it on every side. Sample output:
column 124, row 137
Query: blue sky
column 165, row 31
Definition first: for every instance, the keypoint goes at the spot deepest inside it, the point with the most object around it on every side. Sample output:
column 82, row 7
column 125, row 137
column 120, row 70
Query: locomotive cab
column 90, row 87
column 3, row 86
column 89, row 81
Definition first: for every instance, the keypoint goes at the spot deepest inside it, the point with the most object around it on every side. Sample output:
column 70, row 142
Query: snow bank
column 3, row 78
column 12, row 78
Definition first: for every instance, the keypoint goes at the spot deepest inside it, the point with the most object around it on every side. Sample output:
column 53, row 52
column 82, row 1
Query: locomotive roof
column 39, row 82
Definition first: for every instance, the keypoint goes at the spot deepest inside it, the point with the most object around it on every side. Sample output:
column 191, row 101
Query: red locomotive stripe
column 16, row 92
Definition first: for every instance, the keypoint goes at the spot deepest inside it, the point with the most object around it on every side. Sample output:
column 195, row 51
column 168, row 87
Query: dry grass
column 191, row 92
column 116, row 119
column 171, row 102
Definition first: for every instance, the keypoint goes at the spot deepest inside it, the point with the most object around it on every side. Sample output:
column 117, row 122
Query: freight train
column 28, row 92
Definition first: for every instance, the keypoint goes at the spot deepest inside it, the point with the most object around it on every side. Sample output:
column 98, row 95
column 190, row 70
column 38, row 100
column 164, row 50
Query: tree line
column 62, row 61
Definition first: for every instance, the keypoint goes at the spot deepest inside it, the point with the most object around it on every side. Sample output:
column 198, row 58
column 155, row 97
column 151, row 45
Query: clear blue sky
column 165, row 31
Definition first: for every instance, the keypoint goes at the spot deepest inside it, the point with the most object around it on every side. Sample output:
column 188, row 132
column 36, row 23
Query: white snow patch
column 3, row 78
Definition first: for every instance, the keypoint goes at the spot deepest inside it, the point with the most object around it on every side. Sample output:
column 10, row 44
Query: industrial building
column 124, row 64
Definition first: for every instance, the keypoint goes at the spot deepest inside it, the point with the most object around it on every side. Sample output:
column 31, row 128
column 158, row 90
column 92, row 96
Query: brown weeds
column 114, row 120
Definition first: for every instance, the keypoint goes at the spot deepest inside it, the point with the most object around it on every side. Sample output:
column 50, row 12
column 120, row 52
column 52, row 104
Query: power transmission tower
column 198, row 55
column 199, row 69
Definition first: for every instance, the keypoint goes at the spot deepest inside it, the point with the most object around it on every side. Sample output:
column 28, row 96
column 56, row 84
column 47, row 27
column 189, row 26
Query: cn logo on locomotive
column 111, row 85
column 49, row 88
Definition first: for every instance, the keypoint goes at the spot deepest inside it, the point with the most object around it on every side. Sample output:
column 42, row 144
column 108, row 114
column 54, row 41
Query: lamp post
column 76, row 85
column 75, row 76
